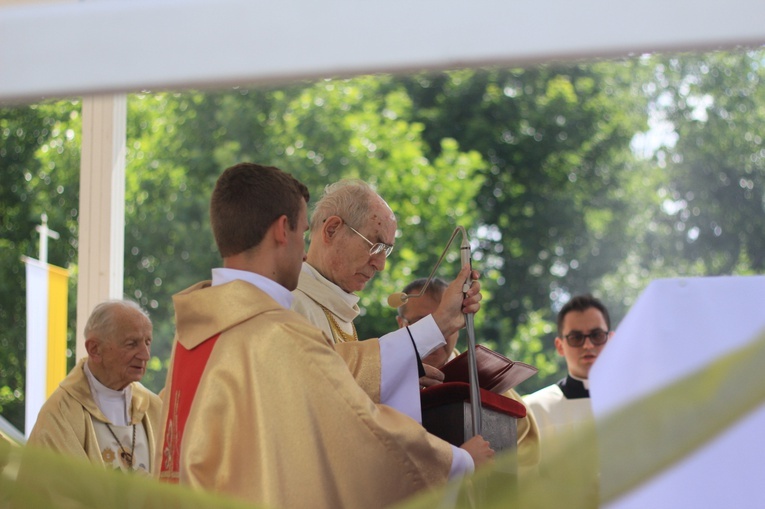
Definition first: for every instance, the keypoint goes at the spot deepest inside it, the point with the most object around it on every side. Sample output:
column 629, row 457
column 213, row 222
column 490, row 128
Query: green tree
column 36, row 149
column 714, row 204
column 556, row 139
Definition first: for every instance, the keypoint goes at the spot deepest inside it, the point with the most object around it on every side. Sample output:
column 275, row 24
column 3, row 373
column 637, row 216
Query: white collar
column 115, row 405
column 274, row 290
column 349, row 298
column 585, row 381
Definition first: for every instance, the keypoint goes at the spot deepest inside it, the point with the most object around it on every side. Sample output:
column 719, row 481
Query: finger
column 472, row 300
column 475, row 289
column 429, row 382
column 475, row 295
column 433, row 372
column 465, row 271
column 472, row 308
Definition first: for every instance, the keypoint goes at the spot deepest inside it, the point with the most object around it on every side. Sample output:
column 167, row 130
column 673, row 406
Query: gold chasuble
column 277, row 418
column 328, row 307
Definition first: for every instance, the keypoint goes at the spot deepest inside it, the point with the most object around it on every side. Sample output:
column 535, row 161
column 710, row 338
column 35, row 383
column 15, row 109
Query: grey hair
column 102, row 321
column 348, row 198
column 435, row 289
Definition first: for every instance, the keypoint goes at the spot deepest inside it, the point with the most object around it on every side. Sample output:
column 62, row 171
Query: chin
column 357, row 288
column 137, row 375
column 352, row 286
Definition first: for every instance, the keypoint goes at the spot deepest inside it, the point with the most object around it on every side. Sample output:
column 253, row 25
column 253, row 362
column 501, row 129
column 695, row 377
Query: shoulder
column 271, row 328
column 544, row 397
column 70, row 396
column 312, row 289
column 59, row 402
column 302, row 303
column 60, row 416
column 140, row 390
column 146, row 403
column 308, row 293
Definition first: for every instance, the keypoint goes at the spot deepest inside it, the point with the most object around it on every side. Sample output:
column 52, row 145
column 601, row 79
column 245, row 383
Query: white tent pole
column 102, row 206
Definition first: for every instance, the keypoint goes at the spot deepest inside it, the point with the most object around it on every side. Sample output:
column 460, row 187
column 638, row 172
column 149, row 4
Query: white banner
column 46, row 335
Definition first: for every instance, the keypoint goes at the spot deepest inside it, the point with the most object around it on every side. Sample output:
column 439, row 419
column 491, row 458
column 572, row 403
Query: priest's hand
column 479, row 450
column 449, row 316
column 433, row 376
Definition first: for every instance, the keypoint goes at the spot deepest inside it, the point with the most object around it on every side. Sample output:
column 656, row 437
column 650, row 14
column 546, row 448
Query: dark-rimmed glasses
column 597, row 337
column 374, row 247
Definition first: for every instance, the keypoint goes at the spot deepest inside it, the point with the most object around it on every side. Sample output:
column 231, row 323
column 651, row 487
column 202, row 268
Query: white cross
column 45, row 232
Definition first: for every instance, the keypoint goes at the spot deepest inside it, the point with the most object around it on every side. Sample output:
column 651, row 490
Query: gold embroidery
column 337, row 330
column 171, row 439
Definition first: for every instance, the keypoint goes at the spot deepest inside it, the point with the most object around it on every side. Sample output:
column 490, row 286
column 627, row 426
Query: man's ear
column 559, row 346
column 280, row 228
column 331, row 228
column 93, row 347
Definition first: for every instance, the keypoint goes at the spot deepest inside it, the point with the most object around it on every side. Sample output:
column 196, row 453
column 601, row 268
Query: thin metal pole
column 475, row 390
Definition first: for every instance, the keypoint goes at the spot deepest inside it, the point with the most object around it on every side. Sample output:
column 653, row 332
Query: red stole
column 187, row 368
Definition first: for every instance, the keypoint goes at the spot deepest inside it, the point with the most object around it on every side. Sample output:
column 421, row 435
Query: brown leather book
column 496, row 373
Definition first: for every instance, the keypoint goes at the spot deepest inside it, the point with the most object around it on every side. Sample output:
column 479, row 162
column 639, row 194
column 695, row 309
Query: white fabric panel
column 677, row 327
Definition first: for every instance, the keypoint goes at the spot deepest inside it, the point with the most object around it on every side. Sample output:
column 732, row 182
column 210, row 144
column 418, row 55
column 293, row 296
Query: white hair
column 102, row 322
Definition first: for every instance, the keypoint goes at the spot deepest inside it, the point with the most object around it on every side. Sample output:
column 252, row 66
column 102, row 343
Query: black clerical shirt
column 573, row 388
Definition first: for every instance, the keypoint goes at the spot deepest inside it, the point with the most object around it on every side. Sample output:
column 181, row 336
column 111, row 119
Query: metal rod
column 475, row 389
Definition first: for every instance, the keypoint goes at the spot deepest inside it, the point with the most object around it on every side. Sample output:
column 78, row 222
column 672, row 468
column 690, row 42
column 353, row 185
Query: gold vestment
column 277, row 419
column 314, row 297
column 65, row 421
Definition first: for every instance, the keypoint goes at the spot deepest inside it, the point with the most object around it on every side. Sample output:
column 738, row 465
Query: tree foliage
column 556, row 142
column 714, row 199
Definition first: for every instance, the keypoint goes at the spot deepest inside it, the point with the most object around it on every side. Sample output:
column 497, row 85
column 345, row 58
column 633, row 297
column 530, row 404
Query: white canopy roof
column 64, row 48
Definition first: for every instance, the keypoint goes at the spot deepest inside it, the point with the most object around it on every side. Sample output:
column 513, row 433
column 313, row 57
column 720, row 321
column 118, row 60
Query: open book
column 496, row 373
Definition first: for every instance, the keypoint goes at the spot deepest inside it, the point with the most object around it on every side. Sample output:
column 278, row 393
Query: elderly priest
column 100, row 411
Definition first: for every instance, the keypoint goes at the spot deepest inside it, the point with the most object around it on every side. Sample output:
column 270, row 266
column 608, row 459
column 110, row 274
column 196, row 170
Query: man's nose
column 378, row 261
column 144, row 353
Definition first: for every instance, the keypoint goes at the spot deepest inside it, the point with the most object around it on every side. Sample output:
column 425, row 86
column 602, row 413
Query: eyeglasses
column 576, row 339
column 375, row 248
